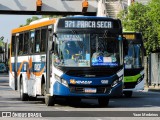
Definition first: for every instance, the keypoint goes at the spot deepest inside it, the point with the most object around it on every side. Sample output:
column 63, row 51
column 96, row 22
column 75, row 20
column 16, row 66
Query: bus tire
column 23, row 96
column 43, row 90
column 128, row 94
column 49, row 100
column 103, row 101
column 32, row 98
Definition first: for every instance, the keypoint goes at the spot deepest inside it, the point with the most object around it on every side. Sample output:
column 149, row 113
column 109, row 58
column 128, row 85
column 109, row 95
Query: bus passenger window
column 31, row 42
column 37, row 41
column 21, row 43
column 13, row 45
column 43, row 40
column 26, row 43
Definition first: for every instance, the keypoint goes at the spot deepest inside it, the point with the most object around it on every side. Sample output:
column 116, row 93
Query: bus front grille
column 98, row 90
column 128, row 85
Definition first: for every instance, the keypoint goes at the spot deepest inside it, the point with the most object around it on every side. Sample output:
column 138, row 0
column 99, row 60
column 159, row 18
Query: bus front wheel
column 49, row 100
column 23, row 96
column 103, row 101
column 128, row 93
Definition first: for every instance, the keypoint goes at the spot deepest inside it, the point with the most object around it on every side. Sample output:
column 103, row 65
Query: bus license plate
column 90, row 90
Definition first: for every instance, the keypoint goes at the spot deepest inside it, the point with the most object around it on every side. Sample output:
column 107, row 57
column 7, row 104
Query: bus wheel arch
column 128, row 94
column 43, row 91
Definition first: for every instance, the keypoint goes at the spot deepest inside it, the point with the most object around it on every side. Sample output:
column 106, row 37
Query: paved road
column 141, row 101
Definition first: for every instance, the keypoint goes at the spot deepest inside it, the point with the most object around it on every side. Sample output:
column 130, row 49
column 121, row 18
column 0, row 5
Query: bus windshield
column 85, row 50
column 134, row 57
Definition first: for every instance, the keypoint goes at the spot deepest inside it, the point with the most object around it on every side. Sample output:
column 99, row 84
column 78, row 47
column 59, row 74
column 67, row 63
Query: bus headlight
column 57, row 78
column 140, row 79
column 60, row 80
column 115, row 82
column 64, row 82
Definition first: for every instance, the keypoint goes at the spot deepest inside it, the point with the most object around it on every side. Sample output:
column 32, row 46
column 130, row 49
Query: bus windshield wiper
column 105, row 35
column 74, row 32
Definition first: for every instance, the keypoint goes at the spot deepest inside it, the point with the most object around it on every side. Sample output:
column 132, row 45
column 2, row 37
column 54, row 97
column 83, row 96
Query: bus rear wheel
column 103, row 101
column 31, row 98
column 49, row 100
column 23, row 96
column 128, row 94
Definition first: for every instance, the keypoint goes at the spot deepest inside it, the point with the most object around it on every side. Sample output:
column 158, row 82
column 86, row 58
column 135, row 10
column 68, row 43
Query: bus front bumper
column 86, row 92
column 138, row 87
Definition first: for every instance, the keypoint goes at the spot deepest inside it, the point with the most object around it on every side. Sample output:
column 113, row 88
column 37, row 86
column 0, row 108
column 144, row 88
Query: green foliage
column 29, row 20
column 1, row 43
column 51, row 16
column 1, row 46
column 144, row 19
column 9, row 45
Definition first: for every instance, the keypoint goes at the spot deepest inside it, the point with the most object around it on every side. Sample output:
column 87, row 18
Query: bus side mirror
column 125, row 46
column 54, row 39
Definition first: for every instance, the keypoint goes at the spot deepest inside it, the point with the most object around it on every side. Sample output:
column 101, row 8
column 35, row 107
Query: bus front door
column 16, row 61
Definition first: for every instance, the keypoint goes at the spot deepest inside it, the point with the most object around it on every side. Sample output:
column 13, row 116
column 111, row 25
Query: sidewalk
column 153, row 88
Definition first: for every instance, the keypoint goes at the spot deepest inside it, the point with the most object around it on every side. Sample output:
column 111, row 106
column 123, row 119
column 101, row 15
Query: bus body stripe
column 33, row 71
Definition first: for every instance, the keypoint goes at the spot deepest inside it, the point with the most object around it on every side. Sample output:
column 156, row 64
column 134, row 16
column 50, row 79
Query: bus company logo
column 83, row 82
column 72, row 81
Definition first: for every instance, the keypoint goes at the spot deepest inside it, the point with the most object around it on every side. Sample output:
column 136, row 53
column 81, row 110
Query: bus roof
column 88, row 17
column 33, row 26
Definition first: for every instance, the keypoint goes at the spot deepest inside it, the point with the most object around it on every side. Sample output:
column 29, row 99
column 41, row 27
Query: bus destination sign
column 130, row 36
column 87, row 24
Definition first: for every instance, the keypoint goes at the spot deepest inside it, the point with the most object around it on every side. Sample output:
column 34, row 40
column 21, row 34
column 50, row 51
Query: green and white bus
column 133, row 64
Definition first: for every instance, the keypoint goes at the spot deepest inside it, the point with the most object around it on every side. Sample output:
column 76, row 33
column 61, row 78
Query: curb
column 156, row 89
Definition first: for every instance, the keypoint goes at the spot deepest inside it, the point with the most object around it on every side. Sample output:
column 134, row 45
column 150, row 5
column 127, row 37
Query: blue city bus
column 83, row 58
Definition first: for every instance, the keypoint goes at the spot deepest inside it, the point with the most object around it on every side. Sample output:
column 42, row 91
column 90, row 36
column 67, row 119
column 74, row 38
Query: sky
column 9, row 22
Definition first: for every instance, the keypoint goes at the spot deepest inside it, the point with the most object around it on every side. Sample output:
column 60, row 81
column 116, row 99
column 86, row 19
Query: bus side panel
column 22, row 72
column 37, row 69
column 11, row 74
column 24, row 76
column 140, row 85
column 137, row 82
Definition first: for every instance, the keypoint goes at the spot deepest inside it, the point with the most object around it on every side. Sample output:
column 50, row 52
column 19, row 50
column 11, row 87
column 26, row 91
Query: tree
column 51, row 16
column 153, row 14
column 29, row 20
column 144, row 19
column 1, row 41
